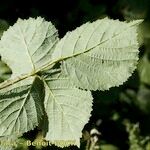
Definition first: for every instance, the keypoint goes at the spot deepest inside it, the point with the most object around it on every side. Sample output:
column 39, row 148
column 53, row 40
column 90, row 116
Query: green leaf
column 68, row 110
column 4, row 71
column 132, row 10
column 21, row 106
column 31, row 43
column 108, row 147
column 105, row 53
column 144, row 70
column 3, row 26
column 144, row 33
column 136, row 141
column 142, row 100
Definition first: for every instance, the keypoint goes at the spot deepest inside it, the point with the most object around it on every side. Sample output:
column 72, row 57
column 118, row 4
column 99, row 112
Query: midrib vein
column 26, row 47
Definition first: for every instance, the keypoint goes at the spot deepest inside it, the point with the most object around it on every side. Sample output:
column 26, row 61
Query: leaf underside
column 95, row 56
column 6, row 143
column 21, row 107
column 68, row 110
column 31, row 43
column 110, row 54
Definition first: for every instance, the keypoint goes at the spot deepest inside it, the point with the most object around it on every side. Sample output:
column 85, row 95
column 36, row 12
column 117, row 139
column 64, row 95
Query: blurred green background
column 121, row 116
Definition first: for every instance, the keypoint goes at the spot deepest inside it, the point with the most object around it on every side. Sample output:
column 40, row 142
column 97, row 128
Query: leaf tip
column 136, row 22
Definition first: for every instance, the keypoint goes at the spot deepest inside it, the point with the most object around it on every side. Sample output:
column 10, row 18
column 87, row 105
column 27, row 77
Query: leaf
column 8, row 143
column 21, row 106
column 144, row 70
column 3, row 26
column 68, row 110
column 4, row 71
column 105, row 53
column 108, row 147
column 31, row 43
column 144, row 33
column 132, row 10
column 136, row 141
column 143, row 101
column 97, row 55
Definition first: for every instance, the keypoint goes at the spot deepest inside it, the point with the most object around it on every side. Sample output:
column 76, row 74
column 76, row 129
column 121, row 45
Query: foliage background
column 122, row 114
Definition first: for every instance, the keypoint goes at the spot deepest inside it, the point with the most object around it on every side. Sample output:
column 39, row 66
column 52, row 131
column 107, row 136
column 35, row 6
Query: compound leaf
column 21, row 106
column 96, row 55
column 105, row 53
column 68, row 110
column 27, row 46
